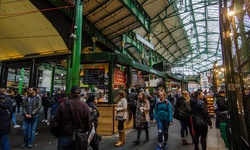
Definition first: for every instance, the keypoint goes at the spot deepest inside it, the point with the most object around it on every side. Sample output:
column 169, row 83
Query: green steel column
column 94, row 44
column 20, row 88
column 150, row 51
column 52, row 80
column 111, row 80
column 68, row 76
column 235, row 138
column 77, row 44
column 129, row 76
column 123, row 51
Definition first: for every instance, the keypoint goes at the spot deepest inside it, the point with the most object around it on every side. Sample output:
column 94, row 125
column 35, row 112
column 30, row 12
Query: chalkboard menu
column 94, row 76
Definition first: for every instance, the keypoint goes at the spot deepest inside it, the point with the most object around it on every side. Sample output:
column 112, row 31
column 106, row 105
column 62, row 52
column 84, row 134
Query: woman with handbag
column 121, row 116
column 142, row 117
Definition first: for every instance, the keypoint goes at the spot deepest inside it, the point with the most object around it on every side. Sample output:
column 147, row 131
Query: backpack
column 131, row 100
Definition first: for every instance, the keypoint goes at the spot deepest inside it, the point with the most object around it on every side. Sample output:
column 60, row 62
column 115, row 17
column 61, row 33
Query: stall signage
column 94, row 76
column 119, row 77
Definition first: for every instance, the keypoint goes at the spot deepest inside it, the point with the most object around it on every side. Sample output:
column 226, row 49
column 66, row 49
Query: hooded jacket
column 221, row 103
column 5, row 114
column 163, row 111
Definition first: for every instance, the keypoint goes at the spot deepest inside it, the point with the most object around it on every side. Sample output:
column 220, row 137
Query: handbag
column 119, row 118
column 176, row 114
column 79, row 137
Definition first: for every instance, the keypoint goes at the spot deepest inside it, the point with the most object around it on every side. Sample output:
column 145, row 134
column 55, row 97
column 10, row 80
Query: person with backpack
column 142, row 117
column 132, row 99
column 163, row 117
column 184, row 110
column 5, row 117
column 94, row 114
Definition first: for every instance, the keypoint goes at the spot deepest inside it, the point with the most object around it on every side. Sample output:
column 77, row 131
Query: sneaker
column 30, row 145
column 43, row 120
column 36, row 133
column 46, row 121
column 165, row 145
column 17, row 126
column 24, row 145
column 158, row 148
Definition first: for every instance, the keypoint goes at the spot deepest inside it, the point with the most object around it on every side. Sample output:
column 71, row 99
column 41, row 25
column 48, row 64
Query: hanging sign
column 119, row 77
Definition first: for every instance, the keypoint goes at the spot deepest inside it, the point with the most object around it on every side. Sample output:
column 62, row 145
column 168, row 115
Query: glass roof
column 201, row 22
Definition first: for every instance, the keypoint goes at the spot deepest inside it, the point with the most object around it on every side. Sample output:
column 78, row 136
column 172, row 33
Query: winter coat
column 183, row 107
column 221, row 103
column 200, row 114
column 121, row 109
column 142, row 116
column 36, row 106
column 163, row 111
column 5, row 114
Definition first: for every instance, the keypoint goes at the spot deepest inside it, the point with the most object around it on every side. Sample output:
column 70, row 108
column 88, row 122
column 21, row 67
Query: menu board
column 119, row 77
column 94, row 76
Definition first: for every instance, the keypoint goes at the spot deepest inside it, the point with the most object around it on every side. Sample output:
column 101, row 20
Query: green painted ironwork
column 68, row 75
column 76, row 57
column 20, row 87
column 139, row 13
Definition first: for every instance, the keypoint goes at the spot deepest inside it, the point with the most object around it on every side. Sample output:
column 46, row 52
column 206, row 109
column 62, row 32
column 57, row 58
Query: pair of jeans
column 13, row 119
column 29, row 129
column 186, row 122
column 200, row 131
column 65, row 142
column 162, row 130
column 4, row 142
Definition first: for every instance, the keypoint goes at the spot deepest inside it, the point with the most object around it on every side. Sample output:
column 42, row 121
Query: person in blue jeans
column 31, row 109
column 163, row 117
column 5, row 117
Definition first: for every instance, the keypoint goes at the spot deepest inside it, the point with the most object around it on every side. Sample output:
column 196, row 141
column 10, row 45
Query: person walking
column 121, row 116
column 132, row 100
column 31, row 109
column 142, row 117
column 201, row 120
column 5, row 117
column 163, row 117
column 184, row 110
column 80, row 119
column 19, row 100
column 94, row 114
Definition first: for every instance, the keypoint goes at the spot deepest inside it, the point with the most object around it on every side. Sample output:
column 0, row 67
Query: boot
column 146, row 139
column 122, row 139
column 184, row 142
column 124, row 136
column 137, row 141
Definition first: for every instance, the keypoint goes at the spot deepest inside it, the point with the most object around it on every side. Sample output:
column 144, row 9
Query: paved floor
column 45, row 141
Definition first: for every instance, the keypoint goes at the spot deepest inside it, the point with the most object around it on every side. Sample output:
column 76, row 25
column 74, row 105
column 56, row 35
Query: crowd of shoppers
column 156, row 107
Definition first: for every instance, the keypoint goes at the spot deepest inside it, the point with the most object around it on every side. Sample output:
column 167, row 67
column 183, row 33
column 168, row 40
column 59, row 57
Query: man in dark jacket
column 5, row 117
column 31, row 109
column 222, row 107
column 67, row 124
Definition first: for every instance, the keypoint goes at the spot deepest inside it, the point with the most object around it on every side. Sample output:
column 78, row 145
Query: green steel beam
column 194, row 24
column 140, row 14
column 88, row 27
